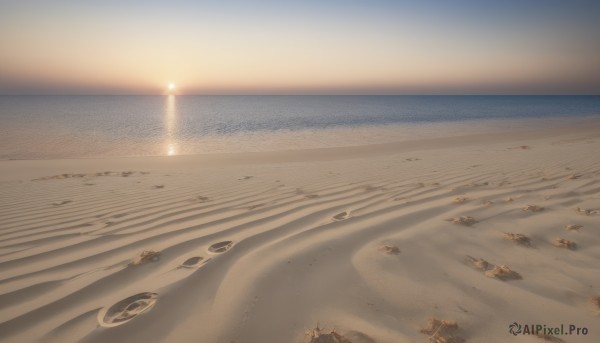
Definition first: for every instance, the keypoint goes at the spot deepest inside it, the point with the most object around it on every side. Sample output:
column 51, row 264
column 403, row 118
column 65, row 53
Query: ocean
column 51, row 127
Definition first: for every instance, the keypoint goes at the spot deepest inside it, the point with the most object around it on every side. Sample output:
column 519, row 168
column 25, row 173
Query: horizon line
column 300, row 94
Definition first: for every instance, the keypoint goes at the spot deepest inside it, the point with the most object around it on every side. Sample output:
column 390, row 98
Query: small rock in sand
column 463, row 220
column 389, row 249
column 573, row 227
column 459, row 200
column 145, row 257
column 503, row 273
column 564, row 243
column 442, row 331
column 533, row 208
column 518, row 238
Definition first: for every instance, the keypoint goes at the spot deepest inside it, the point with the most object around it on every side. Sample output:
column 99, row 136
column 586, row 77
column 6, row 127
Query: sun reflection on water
column 170, row 125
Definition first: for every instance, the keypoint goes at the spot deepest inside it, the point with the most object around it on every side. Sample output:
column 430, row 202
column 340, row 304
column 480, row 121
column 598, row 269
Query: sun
column 171, row 86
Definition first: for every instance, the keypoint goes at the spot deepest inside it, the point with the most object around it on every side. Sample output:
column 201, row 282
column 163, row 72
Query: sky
column 300, row 47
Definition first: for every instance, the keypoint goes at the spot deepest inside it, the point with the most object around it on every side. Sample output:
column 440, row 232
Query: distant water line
column 42, row 127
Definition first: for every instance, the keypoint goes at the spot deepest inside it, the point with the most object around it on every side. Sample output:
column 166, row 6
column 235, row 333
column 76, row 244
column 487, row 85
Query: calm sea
column 40, row 127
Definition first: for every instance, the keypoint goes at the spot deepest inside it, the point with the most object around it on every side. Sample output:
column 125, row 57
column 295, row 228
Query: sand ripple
column 371, row 258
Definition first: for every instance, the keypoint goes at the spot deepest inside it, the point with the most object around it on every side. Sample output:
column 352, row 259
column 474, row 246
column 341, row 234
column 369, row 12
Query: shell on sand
column 442, row 331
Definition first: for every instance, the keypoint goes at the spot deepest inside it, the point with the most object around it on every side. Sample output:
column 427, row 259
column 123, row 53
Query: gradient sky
column 300, row 47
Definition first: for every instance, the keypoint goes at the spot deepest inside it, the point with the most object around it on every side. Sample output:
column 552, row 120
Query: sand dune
column 362, row 244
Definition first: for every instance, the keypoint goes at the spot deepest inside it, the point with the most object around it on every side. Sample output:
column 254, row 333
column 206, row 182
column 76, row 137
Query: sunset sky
column 300, row 47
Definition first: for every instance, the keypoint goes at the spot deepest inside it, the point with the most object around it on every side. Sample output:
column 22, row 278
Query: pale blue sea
column 42, row 127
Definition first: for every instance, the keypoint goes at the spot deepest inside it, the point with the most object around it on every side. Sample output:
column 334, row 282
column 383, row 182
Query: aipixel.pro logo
column 542, row 329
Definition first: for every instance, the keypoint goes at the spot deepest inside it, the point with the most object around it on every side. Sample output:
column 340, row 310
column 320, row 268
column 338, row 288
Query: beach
column 343, row 244
column 299, row 172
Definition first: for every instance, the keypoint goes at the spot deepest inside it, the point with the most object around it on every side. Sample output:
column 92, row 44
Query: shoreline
column 311, row 154
column 303, row 139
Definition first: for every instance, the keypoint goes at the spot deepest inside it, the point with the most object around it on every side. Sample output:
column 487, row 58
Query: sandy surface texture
column 441, row 240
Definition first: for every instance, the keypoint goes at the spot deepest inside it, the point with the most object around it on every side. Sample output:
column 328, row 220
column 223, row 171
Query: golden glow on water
column 170, row 125
column 171, row 151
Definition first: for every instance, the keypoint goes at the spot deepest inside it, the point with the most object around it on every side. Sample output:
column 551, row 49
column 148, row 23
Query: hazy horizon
column 308, row 48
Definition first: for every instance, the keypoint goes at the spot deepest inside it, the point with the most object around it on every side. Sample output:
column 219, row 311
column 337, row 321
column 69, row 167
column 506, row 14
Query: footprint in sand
column 369, row 188
column 503, row 183
column 220, row 247
column 193, row 262
column 549, row 338
column 158, row 186
column 342, row 216
column 126, row 309
column 60, row 203
column 246, row 178
column 586, row 211
column 389, row 249
column 521, row 147
column 255, row 206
